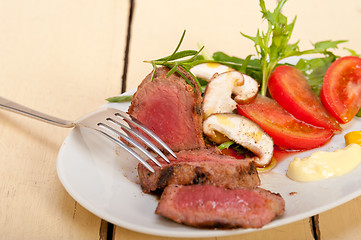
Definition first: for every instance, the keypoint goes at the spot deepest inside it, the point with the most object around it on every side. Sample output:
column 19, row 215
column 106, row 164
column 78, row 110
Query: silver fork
column 109, row 122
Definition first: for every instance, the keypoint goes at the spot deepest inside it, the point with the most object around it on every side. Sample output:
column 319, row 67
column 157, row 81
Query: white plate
column 103, row 179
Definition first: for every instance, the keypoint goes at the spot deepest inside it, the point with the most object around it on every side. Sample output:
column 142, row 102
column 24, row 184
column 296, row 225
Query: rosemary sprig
column 185, row 59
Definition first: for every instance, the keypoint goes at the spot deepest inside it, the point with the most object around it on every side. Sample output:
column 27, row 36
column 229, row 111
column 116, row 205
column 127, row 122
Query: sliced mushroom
column 206, row 71
column 247, row 92
column 242, row 131
column 218, row 94
column 243, row 93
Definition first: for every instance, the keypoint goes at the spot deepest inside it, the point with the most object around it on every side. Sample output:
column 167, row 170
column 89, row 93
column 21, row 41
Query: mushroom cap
column 206, row 71
column 242, row 131
column 242, row 94
column 247, row 92
column 218, row 94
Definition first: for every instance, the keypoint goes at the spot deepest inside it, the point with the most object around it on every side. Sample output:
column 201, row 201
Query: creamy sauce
column 321, row 165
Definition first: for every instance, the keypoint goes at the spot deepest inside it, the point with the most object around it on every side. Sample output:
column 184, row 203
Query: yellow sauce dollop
column 353, row 137
column 321, row 165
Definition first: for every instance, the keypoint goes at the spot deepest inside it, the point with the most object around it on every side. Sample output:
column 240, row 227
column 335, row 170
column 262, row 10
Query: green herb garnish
column 240, row 150
column 314, row 70
column 123, row 98
column 273, row 45
column 225, row 145
column 179, row 59
column 251, row 67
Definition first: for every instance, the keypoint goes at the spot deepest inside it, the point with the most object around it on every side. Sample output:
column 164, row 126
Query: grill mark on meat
column 165, row 174
column 201, row 176
column 198, row 110
column 203, row 166
column 252, row 170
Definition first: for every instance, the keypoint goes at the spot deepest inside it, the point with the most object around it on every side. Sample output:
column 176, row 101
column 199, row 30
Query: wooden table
column 66, row 57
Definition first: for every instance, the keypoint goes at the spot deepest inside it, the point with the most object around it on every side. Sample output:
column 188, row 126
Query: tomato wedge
column 341, row 88
column 289, row 87
column 287, row 131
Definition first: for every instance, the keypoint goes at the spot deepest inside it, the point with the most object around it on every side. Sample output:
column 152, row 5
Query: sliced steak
column 171, row 108
column 203, row 166
column 211, row 206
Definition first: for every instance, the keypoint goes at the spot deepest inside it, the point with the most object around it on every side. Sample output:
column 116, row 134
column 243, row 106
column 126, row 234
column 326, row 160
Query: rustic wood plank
column 297, row 230
column 63, row 58
column 343, row 222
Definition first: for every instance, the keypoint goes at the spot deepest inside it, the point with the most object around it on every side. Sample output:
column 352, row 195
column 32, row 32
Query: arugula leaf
column 352, row 52
column 251, row 67
column 239, row 149
column 314, row 70
column 123, row 98
column 225, row 145
column 273, row 45
column 324, row 45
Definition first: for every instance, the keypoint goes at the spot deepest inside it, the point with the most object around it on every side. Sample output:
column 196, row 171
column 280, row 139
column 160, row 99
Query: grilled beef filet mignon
column 171, row 108
column 203, row 166
column 211, row 206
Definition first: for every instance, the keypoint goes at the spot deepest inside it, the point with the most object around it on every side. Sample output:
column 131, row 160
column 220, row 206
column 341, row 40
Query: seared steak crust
column 203, row 166
column 211, row 206
column 171, row 108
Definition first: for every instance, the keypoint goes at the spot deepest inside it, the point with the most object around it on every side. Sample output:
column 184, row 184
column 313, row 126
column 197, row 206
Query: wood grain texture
column 63, row 58
column 297, row 230
column 343, row 222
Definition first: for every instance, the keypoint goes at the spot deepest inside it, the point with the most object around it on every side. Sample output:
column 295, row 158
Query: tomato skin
column 287, row 131
column 232, row 152
column 341, row 88
column 290, row 89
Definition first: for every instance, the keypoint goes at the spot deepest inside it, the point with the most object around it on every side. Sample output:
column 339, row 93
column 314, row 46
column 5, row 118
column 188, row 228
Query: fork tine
column 127, row 148
column 146, row 130
column 141, row 137
column 131, row 141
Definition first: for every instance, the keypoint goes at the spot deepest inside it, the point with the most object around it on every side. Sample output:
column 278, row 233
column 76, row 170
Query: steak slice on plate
column 210, row 206
column 203, row 166
column 171, row 108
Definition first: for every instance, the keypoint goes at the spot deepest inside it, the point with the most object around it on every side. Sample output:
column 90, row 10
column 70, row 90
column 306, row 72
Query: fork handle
column 17, row 108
